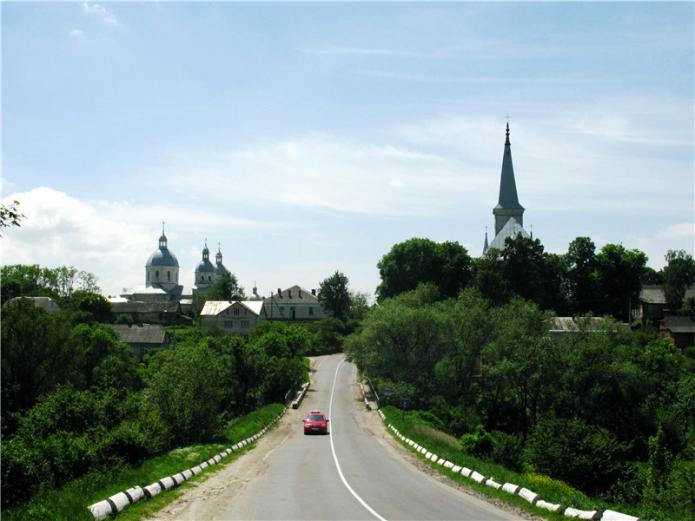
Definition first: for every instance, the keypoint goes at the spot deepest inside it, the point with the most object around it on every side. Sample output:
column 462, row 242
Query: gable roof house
column 239, row 317
column 294, row 303
column 142, row 338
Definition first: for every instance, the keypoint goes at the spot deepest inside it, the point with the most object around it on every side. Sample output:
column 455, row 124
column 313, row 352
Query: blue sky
column 311, row 137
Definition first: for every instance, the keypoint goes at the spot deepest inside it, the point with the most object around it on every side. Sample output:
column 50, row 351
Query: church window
column 156, row 275
column 148, row 276
column 209, row 278
column 169, row 276
column 311, row 311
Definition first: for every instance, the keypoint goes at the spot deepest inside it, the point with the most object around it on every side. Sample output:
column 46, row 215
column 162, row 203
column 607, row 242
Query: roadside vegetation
column 78, row 405
column 602, row 415
column 69, row 502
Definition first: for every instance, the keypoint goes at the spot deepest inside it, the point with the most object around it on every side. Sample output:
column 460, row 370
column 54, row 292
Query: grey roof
column 654, row 294
column 292, row 295
column 573, row 325
column 678, row 324
column 205, row 266
column 145, row 307
column 162, row 257
column 46, row 303
column 511, row 229
column 145, row 334
column 508, row 197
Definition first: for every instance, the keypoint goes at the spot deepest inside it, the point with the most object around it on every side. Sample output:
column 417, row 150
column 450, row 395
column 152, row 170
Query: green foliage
column 620, row 272
column 678, row 274
column 68, row 502
column 124, row 319
column 226, row 288
column 409, row 263
column 580, row 408
column 335, row 296
column 189, row 404
column 104, row 408
column 10, row 215
column 20, row 280
column 572, row 451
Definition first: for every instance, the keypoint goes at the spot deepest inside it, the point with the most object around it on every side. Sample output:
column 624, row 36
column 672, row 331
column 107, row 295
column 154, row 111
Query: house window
column 245, row 323
column 311, row 312
column 209, row 278
column 236, row 311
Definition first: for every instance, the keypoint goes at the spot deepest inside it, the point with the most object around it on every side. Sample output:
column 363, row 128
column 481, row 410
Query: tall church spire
column 485, row 246
column 508, row 203
column 508, row 197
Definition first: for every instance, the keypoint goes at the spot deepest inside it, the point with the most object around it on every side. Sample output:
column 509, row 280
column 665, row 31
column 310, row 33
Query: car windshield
column 316, row 417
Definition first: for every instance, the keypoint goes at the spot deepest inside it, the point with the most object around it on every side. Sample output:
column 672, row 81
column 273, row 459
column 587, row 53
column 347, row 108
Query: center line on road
column 335, row 458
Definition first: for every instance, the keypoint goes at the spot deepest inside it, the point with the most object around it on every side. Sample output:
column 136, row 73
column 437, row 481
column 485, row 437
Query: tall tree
column 416, row 260
column 583, row 280
column 335, row 296
column 620, row 271
column 226, row 288
column 679, row 273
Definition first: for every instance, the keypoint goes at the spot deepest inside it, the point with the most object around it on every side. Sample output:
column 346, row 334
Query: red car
column 315, row 421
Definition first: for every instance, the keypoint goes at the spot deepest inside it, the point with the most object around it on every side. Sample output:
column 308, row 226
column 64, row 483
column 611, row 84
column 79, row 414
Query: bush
column 477, row 443
column 570, row 450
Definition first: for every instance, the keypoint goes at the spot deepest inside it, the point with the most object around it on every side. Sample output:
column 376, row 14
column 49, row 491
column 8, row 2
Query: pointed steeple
column 206, row 252
column 508, row 203
column 485, row 246
column 508, row 197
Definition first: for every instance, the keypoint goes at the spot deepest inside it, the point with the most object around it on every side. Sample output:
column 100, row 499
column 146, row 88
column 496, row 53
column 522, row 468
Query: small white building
column 239, row 317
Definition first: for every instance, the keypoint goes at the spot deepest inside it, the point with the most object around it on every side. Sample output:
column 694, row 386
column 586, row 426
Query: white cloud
column 317, row 172
column 101, row 12
column 78, row 34
column 111, row 239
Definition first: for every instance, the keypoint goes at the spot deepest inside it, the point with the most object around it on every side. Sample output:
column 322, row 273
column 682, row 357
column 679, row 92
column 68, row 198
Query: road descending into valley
column 354, row 473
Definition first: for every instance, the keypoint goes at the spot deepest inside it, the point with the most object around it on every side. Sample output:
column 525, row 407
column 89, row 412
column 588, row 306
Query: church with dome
column 509, row 214
column 206, row 274
column 161, row 277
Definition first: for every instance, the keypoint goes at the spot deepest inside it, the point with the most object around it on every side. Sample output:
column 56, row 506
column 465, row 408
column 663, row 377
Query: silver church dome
column 162, row 256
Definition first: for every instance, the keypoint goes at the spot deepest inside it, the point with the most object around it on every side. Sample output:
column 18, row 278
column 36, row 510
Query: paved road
column 302, row 480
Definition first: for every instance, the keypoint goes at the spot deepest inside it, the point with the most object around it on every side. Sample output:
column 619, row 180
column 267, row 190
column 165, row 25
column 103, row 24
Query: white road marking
column 335, row 458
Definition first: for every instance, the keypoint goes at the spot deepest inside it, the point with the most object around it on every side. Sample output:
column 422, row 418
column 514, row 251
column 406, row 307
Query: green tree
column 579, row 454
column 334, row 295
column 620, row 271
column 583, row 279
column 679, row 273
column 415, row 261
column 226, row 288
column 186, row 386
column 490, row 277
column 10, row 215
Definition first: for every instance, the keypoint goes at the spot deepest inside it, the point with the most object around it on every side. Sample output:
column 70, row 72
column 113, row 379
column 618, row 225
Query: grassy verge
column 70, row 502
column 445, row 446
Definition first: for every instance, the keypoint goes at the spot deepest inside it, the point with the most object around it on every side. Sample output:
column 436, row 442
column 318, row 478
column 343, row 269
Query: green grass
column 445, row 446
column 70, row 502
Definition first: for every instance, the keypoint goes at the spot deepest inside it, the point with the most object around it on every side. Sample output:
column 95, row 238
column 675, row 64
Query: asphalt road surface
column 350, row 474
